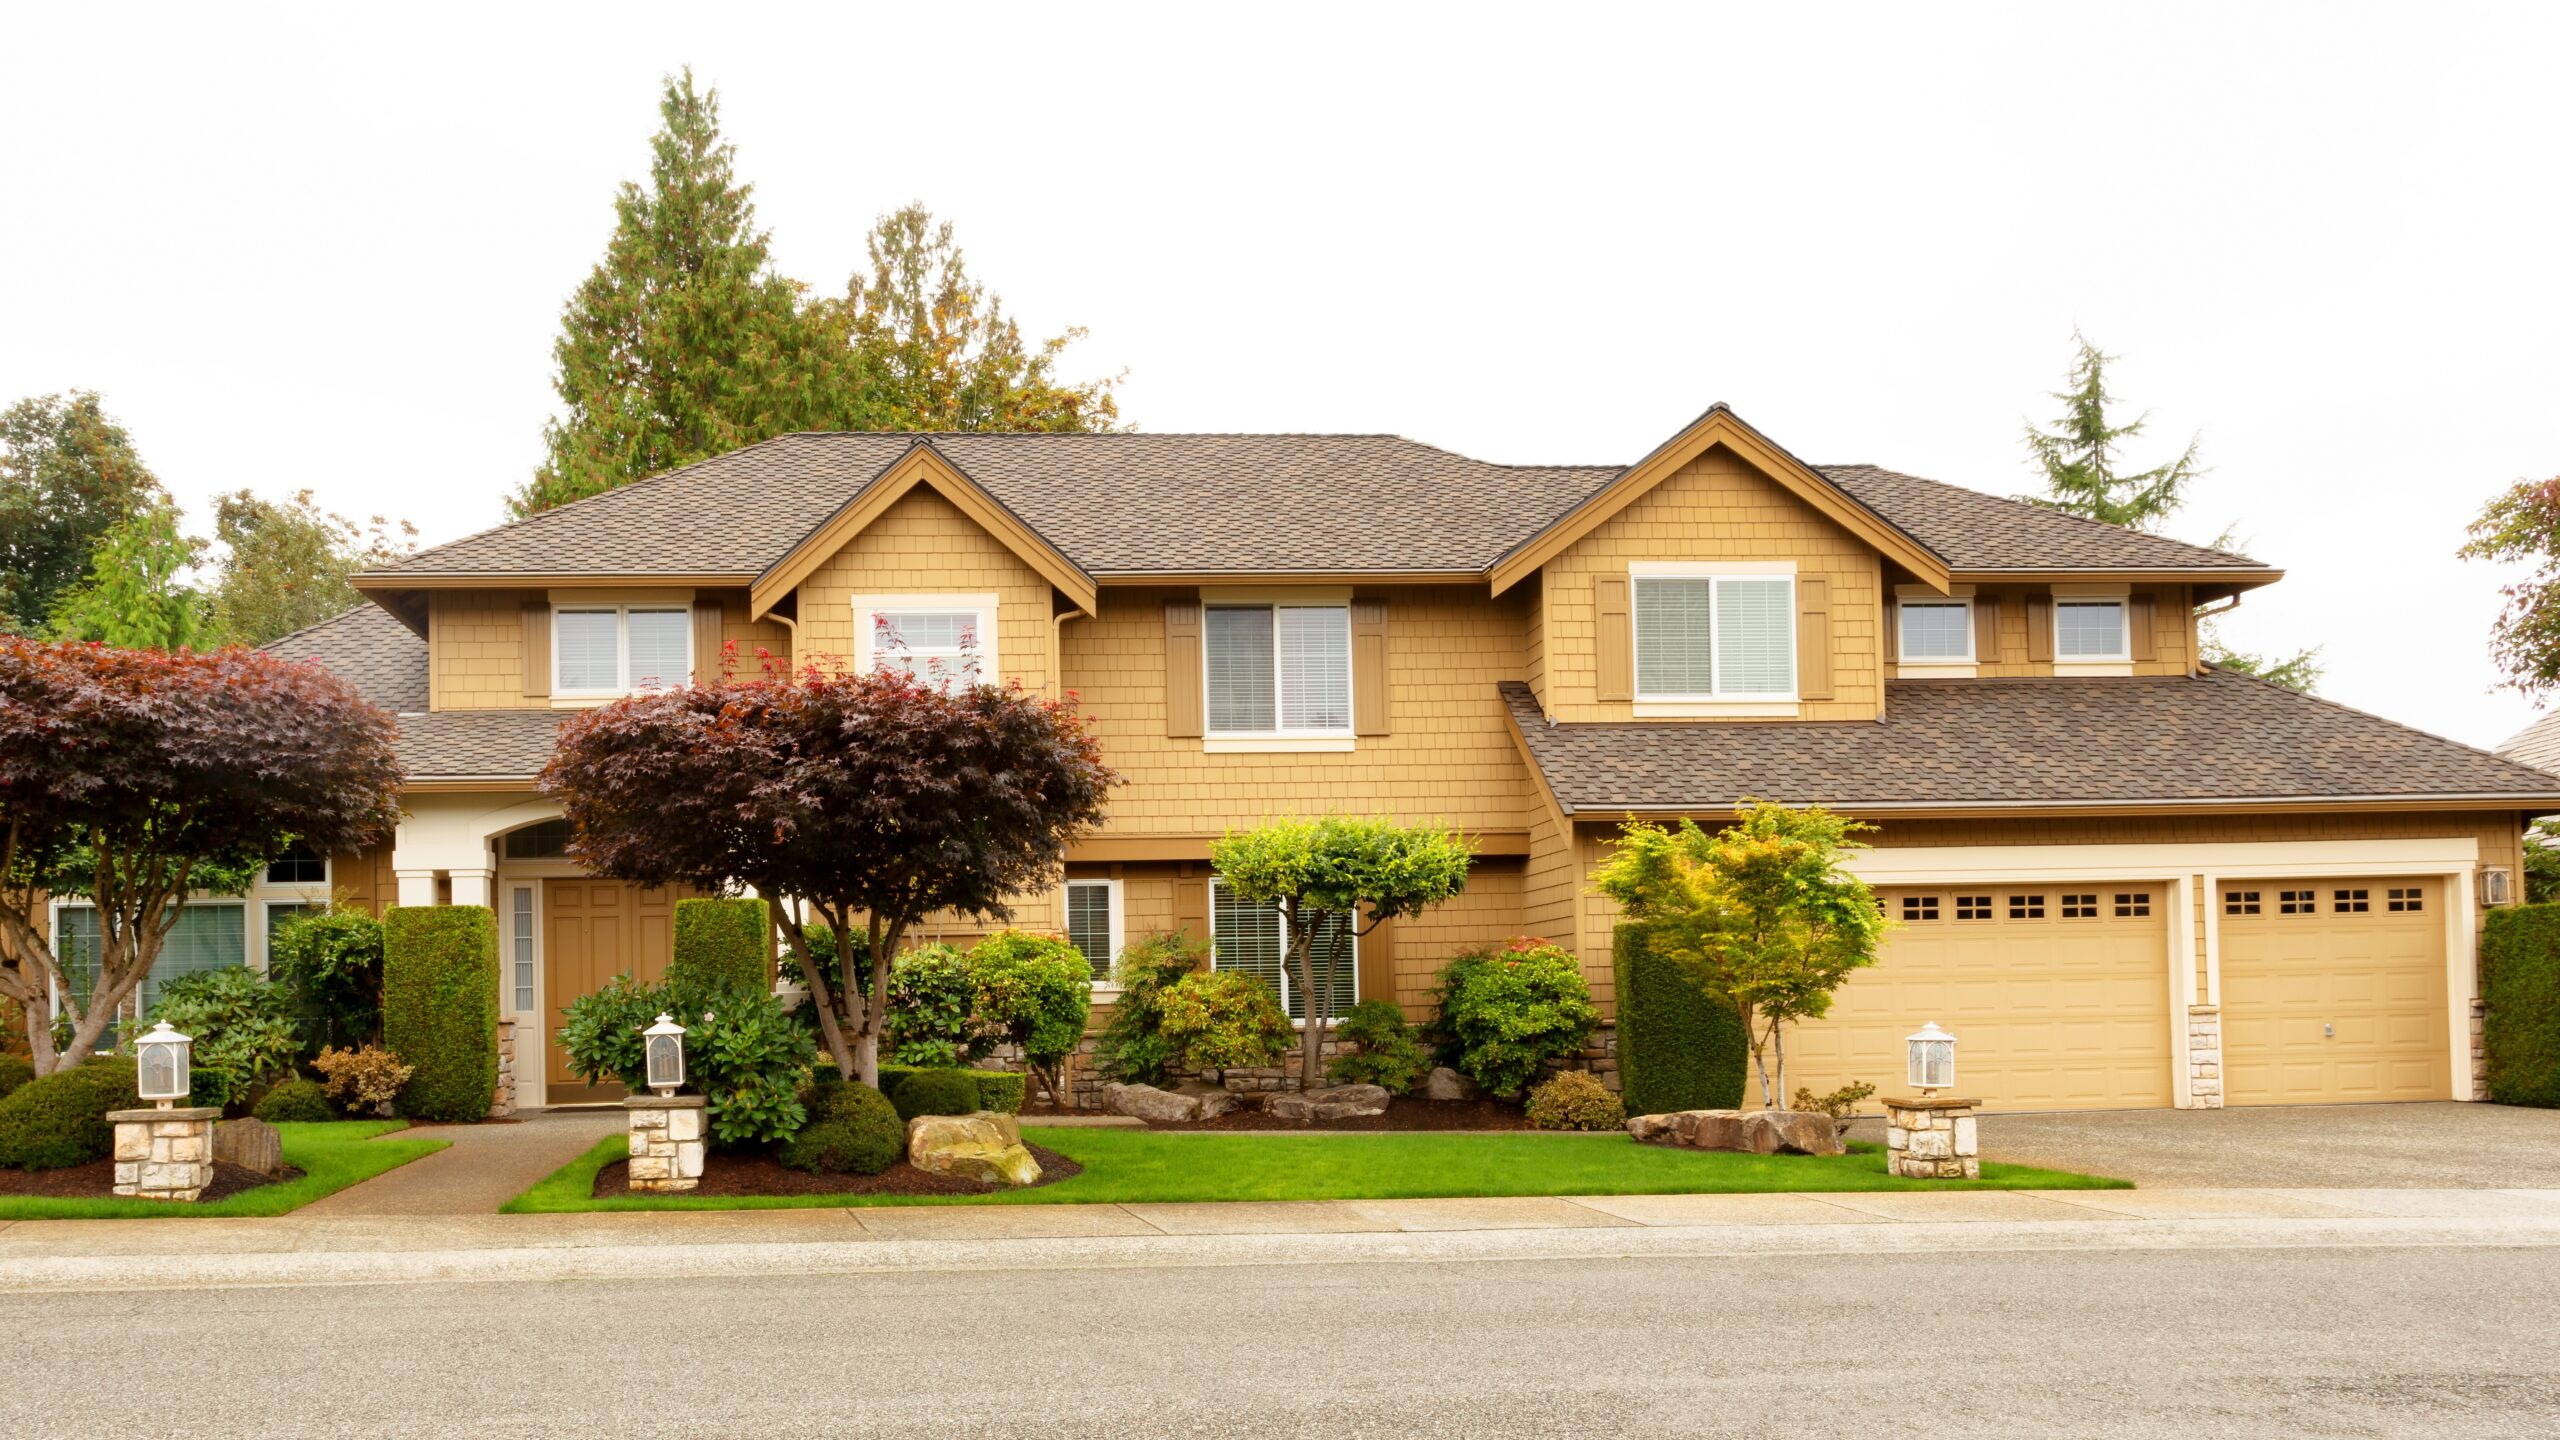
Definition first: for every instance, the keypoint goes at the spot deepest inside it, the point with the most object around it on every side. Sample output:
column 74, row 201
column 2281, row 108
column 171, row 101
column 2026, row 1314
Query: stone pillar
column 164, row 1154
column 666, row 1141
column 502, row 1101
column 1929, row 1138
column 2204, row 1057
column 2479, row 1050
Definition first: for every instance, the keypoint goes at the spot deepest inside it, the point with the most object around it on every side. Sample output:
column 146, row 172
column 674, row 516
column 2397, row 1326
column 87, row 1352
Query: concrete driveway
column 2441, row 1145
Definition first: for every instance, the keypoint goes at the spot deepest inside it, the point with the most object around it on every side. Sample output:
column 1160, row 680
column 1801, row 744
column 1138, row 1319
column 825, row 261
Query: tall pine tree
column 2079, row 456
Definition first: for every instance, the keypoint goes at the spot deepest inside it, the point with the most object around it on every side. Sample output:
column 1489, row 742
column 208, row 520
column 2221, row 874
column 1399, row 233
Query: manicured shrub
column 1575, row 1100
column 1000, row 1090
column 721, row 944
column 364, row 1081
column 330, row 965
column 852, row 1129
column 936, row 1092
column 1132, row 1047
column 243, row 1028
column 15, row 1070
column 1034, row 992
column 1680, row 1047
column 1223, row 1019
column 2520, row 985
column 1389, row 1055
column 745, row 1052
column 440, row 1007
column 931, row 1002
column 296, row 1101
column 1505, row 1013
column 60, row 1120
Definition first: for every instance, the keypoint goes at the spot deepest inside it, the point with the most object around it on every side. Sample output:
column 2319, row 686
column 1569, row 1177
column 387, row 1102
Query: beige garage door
column 2058, row 997
column 2333, row 993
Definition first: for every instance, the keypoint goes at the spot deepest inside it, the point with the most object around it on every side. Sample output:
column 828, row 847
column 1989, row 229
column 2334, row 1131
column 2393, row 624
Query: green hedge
column 2520, row 983
column 1679, row 1047
column 440, row 1007
column 1001, row 1090
column 720, row 943
column 61, row 1120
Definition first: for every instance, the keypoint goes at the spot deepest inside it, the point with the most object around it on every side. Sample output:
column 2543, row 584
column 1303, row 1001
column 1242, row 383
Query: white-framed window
column 1714, row 633
column 520, row 947
column 601, row 650
column 299, row 865
column 1093, row 924
column 1252, row 938
column 948, row 641
column 1935, row 632
column 207, row 935
column 1277, row 670
column 2089, row 629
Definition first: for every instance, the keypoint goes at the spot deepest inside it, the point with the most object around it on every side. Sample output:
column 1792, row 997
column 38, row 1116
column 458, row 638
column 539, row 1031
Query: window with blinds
column 1092, row 925
column 1277, row 669
column 205, row 937
column 2089, row 630
column 1936, row 631
column 1715, row 637
column 1253, row 939
column 615, row 650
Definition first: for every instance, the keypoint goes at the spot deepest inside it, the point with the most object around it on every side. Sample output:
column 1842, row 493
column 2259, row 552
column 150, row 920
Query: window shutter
column 706, row 640
column 1369, row 667
column 537, row 650
column 1182, row 685
column 1376, row 979
column 1813, row 638
column 2040, row 629
column 1889, row 631
column 2138, row 619
column 1191, row 905
column 1986, row 629
column 1614, row 638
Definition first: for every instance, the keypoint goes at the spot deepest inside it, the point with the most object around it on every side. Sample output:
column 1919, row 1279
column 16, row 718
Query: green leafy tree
column 287, row 564
column 136, row 596
column 1033, row 992
column 68, row 474
column 2078, row 456
column 1332, row 880
column 1761, row 909
column 2521, row 526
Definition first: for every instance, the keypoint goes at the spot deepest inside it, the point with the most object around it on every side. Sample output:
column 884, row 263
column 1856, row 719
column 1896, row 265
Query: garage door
column 2333, row 992
column 2059, row 998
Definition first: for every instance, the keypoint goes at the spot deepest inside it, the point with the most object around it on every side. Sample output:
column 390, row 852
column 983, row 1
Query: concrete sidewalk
column 482, row 1168
column 306, row 1249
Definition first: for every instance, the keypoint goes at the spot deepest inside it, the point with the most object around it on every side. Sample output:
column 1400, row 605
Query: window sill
column 2071, row 668
column 583, row 702
column 1711, row 709
column 1278, row 744
column 1935, row 670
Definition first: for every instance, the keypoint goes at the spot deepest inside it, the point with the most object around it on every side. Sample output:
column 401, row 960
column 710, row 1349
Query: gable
column 923, row 551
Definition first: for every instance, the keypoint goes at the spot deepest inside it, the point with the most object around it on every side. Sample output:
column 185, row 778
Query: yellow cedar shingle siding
column 924, row 545
column 2173, row 631
column 476, row 652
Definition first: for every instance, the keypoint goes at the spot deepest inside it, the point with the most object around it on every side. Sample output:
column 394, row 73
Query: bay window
column 1701, row 634
column 605, row 650
column 1278, row 670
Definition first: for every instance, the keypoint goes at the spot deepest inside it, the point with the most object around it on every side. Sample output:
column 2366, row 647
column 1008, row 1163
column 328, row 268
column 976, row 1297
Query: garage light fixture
column 1933, row 1059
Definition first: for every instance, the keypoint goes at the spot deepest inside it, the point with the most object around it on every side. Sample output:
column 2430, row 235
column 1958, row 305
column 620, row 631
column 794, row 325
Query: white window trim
column 1215, row 885
column 1901, row 635
column 985, row 604
column 1750, row 702
column 252, row 943
column 621, row 612
column 1278, row 741
column 1119, row 927
column 2122, row 654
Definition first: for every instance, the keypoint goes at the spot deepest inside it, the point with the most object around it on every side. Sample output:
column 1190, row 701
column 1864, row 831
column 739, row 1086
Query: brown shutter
column 1369, row 667
column 2139, row 618
column 1889, row 629
column 1986, row 629
column 1813, row 638
column 537, row 650
column 1191, row 904
column 1182, row 670
column 1377, row 967
column 706, row 640
column 1615, row 638
column 2040, row 629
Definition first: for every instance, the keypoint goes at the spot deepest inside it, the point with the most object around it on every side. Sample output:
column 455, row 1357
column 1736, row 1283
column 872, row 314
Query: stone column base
column 1927, row 1138
column 666, row 1141
column 164, row 1154
column 2204, row 1057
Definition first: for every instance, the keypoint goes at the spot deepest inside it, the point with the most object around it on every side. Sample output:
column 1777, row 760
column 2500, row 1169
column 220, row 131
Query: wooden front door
column 594, row 930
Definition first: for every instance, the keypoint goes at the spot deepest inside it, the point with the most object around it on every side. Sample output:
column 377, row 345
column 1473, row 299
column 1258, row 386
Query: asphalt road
column 2431, row 1341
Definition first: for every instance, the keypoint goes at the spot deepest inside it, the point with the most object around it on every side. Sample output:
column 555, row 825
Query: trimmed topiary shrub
column 1132, row 1047
column 1223, row 1019
column 1388, row 1056
column 1575, row 1100
column 60, row 1120
column 1000, row 1090
column 1506, row 1013
column 296, row 1101
column 937, row 1092
column 15, row 1070
column 1679, row 1046
column 852, row 1129
column 2520, row 986
column 722, row 944
column 440, row 1007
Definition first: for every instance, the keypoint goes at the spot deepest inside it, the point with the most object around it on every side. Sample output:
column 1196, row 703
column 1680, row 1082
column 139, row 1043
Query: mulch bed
column 1403, row 1113
column 97, row 1181
column 747, row 1175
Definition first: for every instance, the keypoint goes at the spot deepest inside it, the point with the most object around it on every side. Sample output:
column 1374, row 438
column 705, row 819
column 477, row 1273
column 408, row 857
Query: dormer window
column 2089, row 630
column 945, row 641
column 1936, row 632
column 607, row 650
column 1714, row 632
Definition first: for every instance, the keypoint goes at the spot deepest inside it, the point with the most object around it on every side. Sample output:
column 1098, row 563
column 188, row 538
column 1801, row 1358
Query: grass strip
column 332, row 1155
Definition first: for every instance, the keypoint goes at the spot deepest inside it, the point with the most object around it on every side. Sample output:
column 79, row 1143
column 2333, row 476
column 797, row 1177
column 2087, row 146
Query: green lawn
column 1138, row 1165
column 331, row 1155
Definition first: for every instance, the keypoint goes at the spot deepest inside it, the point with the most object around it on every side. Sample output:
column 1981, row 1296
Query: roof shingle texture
column 388, row 666
column 1957, row 743
column 2537, row 745
column 384, row 659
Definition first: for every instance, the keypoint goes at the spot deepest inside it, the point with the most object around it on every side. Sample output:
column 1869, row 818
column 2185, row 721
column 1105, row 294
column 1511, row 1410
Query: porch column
column 417, row 887
column 473, row 887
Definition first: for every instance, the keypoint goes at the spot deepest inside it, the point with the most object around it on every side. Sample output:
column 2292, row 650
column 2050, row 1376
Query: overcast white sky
column 328, row 247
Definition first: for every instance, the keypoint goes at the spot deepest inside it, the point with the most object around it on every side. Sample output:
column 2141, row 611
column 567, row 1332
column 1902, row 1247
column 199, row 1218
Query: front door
column 594, row 930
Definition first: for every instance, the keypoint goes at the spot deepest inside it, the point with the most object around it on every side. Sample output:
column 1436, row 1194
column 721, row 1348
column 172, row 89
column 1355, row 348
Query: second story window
column 617, row 649
column 2089, row 630
column 1278, row 669
column 945, row 641
column 1715, row 637
column 1936, row 632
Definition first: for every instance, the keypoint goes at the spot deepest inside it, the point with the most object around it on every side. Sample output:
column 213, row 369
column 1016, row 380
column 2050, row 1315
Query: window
column 2089, row 630
column 520, row 947
column 617, row 649
column 2353, row 902
column 1936, row 631
column 1093, row 924
column 2132, row 906
column 2297, row 902
column 947, row 649
column 2407, row 901
column 2079, row 907
column 546, row 841
column 1715, row 637
column 1278, row 669
column 2239, row 902
column 205, row 937
column 300, row 865
column 1252, row 939
column 1973, row 907
column 1919, row 907
column 2026, row 907
column 277, row 915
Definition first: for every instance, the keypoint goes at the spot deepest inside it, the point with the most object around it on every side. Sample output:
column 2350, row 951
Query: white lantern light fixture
column 665, row 1041
column 1933, row 1059
column 163, row 1067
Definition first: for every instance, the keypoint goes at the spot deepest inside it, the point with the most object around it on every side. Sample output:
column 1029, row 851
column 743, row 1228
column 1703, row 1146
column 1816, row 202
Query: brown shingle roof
column 2537, row 745
column 1974, row 531
column 385, row 661
column 478, row 744
column 2023, row 743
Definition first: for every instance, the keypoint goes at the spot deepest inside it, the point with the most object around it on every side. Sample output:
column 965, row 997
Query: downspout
column 1058, row 650
column 2200, row 614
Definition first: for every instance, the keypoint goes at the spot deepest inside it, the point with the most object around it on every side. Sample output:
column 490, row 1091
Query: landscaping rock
column 986, row 1146
column 251, row 1145
column 1333, row 1102
column 1746, row 1132
column 1215, row 1100
column 1146, row 1102
column 1447, row 1084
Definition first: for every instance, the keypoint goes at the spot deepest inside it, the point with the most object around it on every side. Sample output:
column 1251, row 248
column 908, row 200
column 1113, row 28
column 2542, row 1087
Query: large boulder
column 1747, row 1132
column 249, row 1144
column 1146, row 1102
column 986, row 1147
column 1214, row 1100
column 1444, row 1083
column 1333, row 1102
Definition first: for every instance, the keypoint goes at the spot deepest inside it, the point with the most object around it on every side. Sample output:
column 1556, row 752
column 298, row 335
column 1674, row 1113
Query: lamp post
column 1932, row 1054
column 665, row 1050
column 164, row 1069
column 667, row 1142
column 164, row 1153
column 1929, row 1135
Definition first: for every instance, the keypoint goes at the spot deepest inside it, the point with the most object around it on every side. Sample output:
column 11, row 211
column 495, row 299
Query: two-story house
column 2122, row 877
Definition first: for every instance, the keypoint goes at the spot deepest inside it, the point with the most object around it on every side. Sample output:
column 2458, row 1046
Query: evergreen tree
column 68, row 474
column 288, row 562
column 136, row 596
column 2079, row 457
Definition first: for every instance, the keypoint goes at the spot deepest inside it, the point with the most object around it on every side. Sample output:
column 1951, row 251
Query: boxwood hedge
column 440, row 1007
column 2520, row 983
column 1679, row 1047
column 720, row 943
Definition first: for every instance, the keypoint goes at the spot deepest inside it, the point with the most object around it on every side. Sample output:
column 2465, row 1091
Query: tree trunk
column 829, row 1027
column 875, row 1006
column 39, row 1032
column 1778, row 1044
